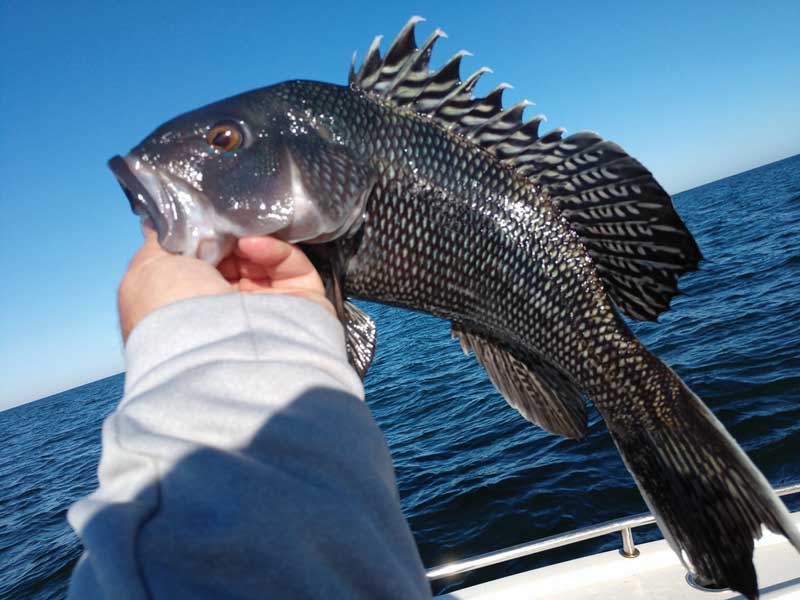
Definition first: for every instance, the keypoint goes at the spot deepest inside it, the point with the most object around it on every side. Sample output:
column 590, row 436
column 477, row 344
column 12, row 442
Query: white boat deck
column 655, row 574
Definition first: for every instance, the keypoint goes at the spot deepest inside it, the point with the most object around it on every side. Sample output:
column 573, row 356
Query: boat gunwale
column 624, row 526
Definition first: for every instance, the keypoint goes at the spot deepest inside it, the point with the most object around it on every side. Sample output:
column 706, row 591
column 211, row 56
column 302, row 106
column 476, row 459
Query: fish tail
column 708, row 497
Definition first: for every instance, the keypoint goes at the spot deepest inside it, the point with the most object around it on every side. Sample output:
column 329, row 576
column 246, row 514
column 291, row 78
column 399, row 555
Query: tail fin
column 709, row 499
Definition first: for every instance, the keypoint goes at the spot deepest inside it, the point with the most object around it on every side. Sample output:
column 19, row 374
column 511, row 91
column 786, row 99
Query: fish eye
column 225, row 137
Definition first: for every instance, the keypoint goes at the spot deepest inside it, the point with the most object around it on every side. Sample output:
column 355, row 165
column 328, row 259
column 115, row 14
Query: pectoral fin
column 360, row 337
column 360, row 333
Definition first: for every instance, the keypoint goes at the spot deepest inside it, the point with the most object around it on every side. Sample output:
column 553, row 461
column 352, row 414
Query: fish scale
column 518, row 280
column 517, row 307
column 405, row 189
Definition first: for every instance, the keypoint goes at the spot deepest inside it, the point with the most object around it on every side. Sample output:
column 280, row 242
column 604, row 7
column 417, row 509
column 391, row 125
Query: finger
column 266, row 250
column 229, row 268
column 285, row 266
column 233, row 268
column 280, row 259
column 147, row 226
column 264, row 287
column 253, row 270
column 150, row 248
column 250, row 286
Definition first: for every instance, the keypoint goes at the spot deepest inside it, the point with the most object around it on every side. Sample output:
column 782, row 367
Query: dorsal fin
column 623, row 216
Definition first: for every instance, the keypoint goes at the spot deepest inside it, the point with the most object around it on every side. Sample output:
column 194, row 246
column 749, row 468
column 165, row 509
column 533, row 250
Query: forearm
column 242, row 462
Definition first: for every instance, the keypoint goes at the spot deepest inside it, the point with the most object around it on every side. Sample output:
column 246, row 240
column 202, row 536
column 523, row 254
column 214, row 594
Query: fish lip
column 178, row 212
column 142, row 194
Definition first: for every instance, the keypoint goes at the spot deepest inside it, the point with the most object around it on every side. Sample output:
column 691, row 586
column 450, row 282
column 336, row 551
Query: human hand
column 258, row 265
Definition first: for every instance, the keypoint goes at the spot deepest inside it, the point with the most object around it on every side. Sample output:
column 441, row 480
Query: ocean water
column 473, row 475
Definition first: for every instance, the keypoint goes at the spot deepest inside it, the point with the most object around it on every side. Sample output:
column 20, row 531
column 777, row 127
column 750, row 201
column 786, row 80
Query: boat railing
column 624, row 526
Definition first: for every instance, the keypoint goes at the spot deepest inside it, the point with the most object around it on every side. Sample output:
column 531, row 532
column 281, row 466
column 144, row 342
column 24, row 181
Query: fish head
column 247, row 165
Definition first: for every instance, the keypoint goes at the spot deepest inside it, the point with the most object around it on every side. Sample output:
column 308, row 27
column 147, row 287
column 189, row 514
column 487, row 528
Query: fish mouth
column 177, row 211
column 140, row 196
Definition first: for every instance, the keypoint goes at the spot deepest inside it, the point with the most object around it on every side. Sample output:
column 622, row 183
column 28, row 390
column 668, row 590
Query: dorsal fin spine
column 370, row 66
column 420, row 63
column 489, row 124
column 440, row 85
column 485, row 108
column 404, row 43
column 398, row 59
column 465, row 88
column 351, row 76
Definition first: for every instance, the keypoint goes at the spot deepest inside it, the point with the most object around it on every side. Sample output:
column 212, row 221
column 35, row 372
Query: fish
column 405, row 188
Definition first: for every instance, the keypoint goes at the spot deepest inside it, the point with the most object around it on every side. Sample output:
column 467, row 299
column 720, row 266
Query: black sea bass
column 405, row 189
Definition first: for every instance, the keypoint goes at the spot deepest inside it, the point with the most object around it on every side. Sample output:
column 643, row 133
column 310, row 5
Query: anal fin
column 541, row 392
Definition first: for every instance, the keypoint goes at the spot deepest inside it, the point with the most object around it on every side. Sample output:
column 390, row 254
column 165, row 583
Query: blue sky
column 696, row 91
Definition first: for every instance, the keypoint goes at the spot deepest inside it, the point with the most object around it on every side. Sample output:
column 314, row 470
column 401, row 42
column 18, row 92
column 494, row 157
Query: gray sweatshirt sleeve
column 243, row 463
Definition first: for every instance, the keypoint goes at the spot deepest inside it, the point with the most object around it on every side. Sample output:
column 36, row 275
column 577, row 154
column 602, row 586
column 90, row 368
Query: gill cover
column 329, row 189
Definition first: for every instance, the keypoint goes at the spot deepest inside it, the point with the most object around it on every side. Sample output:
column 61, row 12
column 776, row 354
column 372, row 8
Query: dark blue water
column 473, row 475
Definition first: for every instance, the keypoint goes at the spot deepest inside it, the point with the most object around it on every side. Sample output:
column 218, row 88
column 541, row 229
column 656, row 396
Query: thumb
column 150, row 248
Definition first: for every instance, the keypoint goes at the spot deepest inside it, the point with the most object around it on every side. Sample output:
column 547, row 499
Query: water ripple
column 473, row 475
